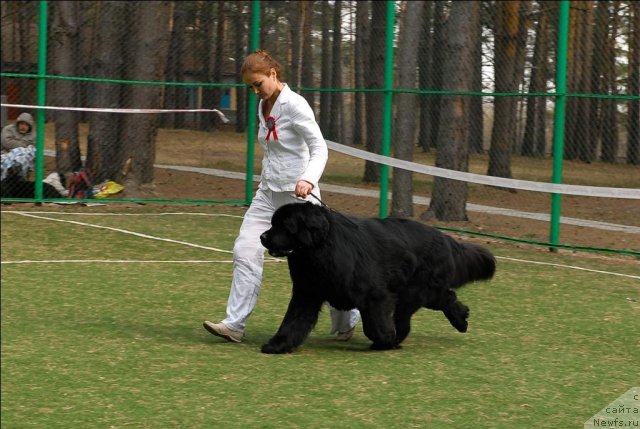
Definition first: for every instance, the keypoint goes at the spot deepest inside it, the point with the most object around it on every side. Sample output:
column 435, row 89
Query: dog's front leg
column 298, row 322
column 378, row 325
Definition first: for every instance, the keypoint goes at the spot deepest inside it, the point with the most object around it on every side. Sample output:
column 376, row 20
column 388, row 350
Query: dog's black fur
column 386, row 268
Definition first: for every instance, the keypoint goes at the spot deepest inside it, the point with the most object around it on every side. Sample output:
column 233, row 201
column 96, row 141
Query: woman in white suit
column 295, row 154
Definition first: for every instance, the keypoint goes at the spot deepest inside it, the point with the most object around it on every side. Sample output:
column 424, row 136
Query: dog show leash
column 332, row 210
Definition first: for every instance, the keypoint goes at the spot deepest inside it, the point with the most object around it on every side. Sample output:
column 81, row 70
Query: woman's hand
column 303, row 188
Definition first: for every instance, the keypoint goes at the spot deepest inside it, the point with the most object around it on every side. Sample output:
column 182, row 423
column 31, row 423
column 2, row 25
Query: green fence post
column 41, row 98
column 559, row 118
column 251, row 108
column 388, row 108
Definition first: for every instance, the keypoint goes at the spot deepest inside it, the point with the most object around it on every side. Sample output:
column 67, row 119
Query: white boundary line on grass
column 124, row 231
column 568, row 266
column 112, row 261
column 124, row 214
column 30, row 214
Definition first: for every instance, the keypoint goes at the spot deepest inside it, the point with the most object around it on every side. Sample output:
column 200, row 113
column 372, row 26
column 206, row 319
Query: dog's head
column 296, row 226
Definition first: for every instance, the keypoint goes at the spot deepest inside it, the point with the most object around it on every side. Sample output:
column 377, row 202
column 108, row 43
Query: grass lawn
column 120, row 344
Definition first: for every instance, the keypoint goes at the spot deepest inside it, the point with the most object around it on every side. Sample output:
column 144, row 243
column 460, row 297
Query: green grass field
column 112, row 338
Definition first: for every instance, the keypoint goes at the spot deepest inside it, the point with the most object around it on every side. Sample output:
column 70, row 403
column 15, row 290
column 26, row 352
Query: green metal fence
column 256, row 9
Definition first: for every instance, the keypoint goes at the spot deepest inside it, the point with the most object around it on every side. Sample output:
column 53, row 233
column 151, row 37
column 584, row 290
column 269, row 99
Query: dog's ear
column 316, row 227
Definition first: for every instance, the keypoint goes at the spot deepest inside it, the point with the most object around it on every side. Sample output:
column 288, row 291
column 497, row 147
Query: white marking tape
column 527, row 185
column 104, row 110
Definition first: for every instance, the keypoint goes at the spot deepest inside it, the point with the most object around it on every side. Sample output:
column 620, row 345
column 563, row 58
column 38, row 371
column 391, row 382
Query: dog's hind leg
column 456, row 312
column 402, row 317
column 378, row 326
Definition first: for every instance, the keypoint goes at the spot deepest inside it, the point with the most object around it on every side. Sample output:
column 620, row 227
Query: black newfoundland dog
column 386, row 268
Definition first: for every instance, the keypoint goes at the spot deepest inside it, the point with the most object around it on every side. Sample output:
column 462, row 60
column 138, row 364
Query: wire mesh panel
column 473, row 88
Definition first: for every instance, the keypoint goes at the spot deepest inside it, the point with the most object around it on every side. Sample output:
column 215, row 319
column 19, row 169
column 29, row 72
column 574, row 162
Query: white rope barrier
column 527, row 185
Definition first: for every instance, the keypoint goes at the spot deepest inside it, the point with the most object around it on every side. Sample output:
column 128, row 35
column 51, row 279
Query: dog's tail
column 472, row 263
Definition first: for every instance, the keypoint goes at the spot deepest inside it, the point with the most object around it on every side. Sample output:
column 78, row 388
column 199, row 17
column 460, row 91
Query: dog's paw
column 384, row 346
column 458, row 315
column 274, row 348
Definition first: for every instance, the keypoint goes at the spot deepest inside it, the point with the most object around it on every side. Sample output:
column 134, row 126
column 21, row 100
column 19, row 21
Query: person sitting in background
column 18, row 150
column 22, row 133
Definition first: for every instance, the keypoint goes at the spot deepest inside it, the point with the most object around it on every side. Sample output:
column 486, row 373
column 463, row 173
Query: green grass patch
column 116, row 345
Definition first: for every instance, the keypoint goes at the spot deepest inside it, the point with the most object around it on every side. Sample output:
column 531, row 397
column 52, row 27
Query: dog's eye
column 290, row 225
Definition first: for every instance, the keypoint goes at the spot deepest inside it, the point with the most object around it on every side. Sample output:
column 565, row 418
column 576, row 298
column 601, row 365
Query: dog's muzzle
column 274, row 252
column 280, row 253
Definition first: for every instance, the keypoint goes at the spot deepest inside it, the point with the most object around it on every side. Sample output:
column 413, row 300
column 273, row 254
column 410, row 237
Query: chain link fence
column 464, row 86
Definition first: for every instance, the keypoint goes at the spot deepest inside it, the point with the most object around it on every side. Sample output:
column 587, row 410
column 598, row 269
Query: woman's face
column 263, row 85
column 23, row 127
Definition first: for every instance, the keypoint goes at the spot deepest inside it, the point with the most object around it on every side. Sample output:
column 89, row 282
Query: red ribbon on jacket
column 271, row 126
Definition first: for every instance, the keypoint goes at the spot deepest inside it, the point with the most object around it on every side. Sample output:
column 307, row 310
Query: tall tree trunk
column 524, row 24
column 375, row 79
column 506, row 38
column 449, row 197
column 175, row 96
column 307, row 53
column 425, row 67
column 26, row 11
column 296, row 20
column 240, row 53
column 437, row 77
column 610, row 140
column 583, row 143
column 476, row 118
column 63, row 54
column 633, row 106
column 406, row 114
column 336, row 123
column 147, row 64
column 576, row 133
column 104, row 128
column 361, row 54
column 206, row 59
column 218, row 63
column 534, row 139
column 327, row 64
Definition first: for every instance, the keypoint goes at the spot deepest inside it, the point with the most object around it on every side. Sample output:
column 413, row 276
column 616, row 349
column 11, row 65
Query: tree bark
column 147, row 63
column 534, row 139
column 506, row 34
column 240, row 53
column 375, row 79
column 449, row 197
column 175, row 97
column 476, row 118
column 327, row 64
column 439, row 22
column 307, row 53
column 577, row 131
column 336, row 123
column 63, row 54
column 406, row 104
column 104, row 141
column 633, row 123
column 610, row 140
column 360, row 63
column 425, row 70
